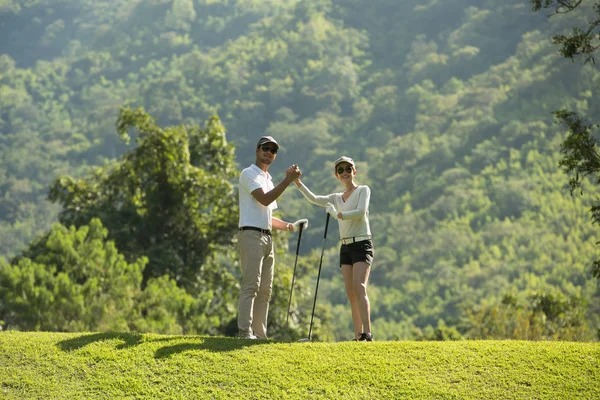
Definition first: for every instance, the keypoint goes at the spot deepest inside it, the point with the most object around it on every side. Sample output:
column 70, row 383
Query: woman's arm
column 310, row 196
column 362, row 207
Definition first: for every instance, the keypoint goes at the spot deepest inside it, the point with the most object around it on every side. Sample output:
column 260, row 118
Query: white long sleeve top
column 355, row 210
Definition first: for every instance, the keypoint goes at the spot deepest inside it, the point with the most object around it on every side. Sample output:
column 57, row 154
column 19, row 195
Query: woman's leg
column 349, row 282
column 360, row 276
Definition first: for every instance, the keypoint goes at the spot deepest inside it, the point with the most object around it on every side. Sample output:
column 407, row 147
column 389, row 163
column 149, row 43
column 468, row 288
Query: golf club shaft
column 318, row 277
column 294, row 275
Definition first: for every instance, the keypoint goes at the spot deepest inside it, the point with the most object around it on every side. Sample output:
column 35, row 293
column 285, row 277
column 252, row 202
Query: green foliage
column 579, row 148
column 77, row 281
column 441, row 333
column 156, row 203
column 580, row 156
column 169, row 201
column 444, row 105
column 581, row 42
column 544, row 316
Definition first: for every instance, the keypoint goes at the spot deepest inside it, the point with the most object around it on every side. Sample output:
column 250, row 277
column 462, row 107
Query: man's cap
column 344, row 159
column 266, row 139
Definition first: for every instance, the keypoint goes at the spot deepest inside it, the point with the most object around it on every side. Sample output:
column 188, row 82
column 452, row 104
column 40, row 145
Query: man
column 257, row 200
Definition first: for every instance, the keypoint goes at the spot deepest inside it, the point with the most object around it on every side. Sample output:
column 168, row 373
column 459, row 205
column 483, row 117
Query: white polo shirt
column 252, row 213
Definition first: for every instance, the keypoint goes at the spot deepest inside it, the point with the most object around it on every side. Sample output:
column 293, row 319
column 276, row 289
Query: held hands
column 293, row 173
column 330, row 208
column 301, row 222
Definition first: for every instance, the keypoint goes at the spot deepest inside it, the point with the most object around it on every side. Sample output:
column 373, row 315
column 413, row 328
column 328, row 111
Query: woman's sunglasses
column 341, row 170
column 271, row 149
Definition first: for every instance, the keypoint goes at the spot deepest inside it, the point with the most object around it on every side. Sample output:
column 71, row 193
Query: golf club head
column 304, row 340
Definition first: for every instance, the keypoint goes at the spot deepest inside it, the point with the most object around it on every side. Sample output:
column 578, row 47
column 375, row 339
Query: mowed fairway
column 116, row 366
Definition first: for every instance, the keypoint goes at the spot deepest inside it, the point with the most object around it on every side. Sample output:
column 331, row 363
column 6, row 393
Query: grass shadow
column 129, row 340
column 216, row 344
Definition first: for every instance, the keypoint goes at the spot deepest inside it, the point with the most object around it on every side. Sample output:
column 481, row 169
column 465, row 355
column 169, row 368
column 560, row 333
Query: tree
column 581, row 42
column 580, row 157
column 170, row 199
column 77, row 281
column 541, row 316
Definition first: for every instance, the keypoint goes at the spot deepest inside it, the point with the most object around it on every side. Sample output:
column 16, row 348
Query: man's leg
column 251, row 261
column 261, row 303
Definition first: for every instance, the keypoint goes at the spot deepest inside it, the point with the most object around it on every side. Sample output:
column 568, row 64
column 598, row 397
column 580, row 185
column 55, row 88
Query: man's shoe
column 246, row 335
column 365, row 337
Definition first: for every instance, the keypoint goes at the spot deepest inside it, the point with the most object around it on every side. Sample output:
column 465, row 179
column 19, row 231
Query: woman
column 351, row 209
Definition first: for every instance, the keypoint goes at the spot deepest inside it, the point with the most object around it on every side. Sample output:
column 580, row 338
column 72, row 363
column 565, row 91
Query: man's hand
column 296, row 225
column 293, row 173
column 331, row 210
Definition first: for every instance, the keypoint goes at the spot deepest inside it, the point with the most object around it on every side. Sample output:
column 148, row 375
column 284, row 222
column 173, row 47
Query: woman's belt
column 355, row 239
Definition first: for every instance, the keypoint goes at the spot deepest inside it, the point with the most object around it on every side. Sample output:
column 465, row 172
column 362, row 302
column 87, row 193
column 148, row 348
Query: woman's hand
column 332, row 210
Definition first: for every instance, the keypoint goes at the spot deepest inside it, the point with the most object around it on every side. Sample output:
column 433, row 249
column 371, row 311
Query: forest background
column 445, row 106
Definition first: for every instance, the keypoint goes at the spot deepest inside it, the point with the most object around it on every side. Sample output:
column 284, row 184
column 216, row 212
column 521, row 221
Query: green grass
column 44, row 365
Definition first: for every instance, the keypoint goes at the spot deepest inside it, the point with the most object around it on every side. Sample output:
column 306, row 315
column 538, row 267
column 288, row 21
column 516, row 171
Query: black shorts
column 357, row 252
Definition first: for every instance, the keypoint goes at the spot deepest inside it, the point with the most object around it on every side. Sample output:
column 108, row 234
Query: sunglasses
column 341, row 170
column 273, row 150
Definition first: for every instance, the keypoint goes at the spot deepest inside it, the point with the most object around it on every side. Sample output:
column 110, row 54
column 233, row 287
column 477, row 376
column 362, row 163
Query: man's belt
column 253, row 228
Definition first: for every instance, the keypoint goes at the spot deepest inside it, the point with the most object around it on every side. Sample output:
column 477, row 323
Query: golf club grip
column 299, row 237
column 326, row 225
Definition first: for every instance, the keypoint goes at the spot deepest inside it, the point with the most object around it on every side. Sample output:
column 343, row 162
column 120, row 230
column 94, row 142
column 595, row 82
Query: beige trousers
column 257, row 263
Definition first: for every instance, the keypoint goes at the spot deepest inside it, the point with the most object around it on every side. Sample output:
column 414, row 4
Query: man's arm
column 288, row 226
column 281, row 225
column 291, row 174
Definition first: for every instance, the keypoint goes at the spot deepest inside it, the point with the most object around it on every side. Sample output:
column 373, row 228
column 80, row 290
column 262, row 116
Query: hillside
column 445, row 106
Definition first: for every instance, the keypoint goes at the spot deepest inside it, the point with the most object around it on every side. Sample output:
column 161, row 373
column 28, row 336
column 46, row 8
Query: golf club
column 317, row 288
column 294, row 275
